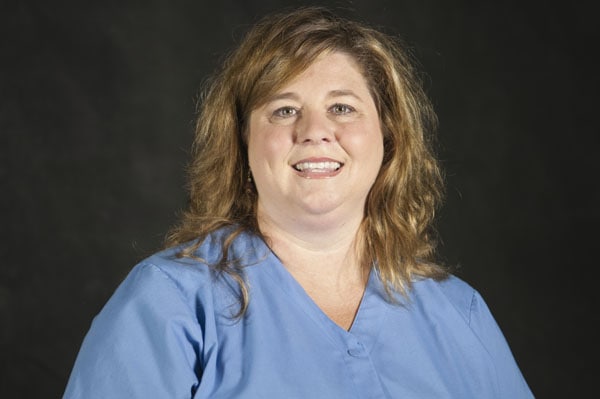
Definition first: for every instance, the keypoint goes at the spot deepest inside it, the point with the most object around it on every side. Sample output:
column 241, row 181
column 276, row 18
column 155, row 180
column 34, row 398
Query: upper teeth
column 318, row 165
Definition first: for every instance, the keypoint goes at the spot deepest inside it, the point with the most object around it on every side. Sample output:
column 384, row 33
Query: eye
column 341, row 109
column 285, row 112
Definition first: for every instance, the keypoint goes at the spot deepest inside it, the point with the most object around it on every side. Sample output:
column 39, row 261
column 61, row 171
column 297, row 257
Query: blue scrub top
column 167, row 332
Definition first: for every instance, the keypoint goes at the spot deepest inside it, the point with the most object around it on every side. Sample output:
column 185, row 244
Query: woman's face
column 315, row 147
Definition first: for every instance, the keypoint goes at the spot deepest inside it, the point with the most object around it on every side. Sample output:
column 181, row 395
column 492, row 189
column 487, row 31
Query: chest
column 286, row 346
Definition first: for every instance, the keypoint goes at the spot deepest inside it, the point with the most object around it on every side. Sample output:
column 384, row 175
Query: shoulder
column 173, row 263
column 150, row 320
column 453, row 298
column 457, row 309
column 451, row 291
column 191, row 279
column 162, row 274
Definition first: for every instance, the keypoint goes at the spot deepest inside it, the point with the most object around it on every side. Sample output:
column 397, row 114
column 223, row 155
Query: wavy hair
column 397, row 227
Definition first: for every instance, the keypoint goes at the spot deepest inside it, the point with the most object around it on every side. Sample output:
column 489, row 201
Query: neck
column 322, row 251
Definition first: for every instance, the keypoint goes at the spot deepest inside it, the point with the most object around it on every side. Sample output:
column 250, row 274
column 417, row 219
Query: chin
column 322, row 208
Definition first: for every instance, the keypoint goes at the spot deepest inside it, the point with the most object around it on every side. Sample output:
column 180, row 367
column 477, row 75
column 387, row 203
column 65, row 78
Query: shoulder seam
column 472, row 305
column 171, row 280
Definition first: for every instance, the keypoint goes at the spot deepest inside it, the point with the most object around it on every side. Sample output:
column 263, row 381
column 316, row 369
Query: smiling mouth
column 318, row 167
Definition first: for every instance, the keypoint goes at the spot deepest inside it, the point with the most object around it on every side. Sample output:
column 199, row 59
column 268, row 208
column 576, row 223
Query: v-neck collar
column 372, row 311
column 369, row 318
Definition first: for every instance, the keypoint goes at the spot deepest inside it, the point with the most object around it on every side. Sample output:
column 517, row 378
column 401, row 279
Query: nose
column 314, row 127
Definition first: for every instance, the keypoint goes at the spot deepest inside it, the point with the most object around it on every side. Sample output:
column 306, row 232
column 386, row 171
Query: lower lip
column 311, row 174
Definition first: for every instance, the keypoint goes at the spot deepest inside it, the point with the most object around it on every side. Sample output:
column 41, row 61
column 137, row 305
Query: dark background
column 96, row 112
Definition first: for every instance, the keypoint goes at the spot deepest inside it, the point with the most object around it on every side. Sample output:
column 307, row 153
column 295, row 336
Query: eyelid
column 349, row 108
column 277, row 113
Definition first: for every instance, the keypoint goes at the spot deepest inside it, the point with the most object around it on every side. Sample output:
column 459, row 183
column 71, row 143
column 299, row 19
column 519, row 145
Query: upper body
column 168, row 332
column 304, row 265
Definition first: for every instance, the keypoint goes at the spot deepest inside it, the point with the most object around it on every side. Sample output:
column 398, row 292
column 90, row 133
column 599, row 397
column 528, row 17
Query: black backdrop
column 96, row 110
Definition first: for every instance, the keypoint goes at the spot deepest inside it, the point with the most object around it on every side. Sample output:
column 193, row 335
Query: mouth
column 317, row 167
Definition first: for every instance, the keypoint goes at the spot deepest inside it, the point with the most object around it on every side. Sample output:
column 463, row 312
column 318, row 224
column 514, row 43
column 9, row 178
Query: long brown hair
column 400, row 208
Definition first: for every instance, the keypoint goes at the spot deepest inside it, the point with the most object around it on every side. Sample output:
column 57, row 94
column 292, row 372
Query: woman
column 303, row 267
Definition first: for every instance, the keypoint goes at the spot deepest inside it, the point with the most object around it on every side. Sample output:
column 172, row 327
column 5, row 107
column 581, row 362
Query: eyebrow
column 343, row 93
column 284, row 96
column 331, row 94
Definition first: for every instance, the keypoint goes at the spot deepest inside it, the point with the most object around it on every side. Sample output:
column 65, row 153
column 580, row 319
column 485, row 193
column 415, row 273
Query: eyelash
column 337, row 109
column 347, row 109
column 281, row 112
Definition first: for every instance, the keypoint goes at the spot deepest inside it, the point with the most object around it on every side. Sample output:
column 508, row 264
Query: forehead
column 330, row 70
column 331, row 67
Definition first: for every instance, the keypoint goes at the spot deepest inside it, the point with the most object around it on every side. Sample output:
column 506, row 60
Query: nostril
column 313, row 127
column 310, row 140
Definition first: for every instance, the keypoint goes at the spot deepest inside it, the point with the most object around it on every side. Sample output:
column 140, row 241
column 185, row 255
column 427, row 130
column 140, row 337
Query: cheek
column 274, row 145
column 268, row 146
column 364, row 142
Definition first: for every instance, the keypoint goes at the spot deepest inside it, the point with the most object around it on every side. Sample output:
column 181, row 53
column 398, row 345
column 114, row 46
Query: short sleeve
column 145, row 343
column 511, row 383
